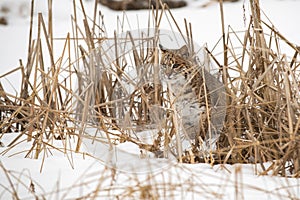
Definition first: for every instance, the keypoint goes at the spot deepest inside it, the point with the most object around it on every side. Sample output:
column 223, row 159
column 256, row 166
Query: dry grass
column 177, row 183
column 262, row 122
column 261, row 83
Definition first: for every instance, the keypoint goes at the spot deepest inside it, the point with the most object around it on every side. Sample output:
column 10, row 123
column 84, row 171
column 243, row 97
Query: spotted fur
column 185, row 79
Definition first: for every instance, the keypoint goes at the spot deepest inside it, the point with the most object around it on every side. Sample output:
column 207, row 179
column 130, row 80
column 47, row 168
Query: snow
column 73, row 175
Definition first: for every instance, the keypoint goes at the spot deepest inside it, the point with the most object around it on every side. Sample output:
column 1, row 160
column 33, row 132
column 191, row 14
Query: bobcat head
column 175, row 63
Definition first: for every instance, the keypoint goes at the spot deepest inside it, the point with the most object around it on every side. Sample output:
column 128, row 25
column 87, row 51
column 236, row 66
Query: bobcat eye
column 175, row 66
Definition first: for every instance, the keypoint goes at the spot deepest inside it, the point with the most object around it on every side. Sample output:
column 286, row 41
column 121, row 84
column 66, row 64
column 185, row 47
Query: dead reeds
column 263, row 98
column 113, row 84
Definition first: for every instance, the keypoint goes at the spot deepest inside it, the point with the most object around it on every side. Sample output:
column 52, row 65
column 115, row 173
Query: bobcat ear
column 184, row 51
column 162, row 48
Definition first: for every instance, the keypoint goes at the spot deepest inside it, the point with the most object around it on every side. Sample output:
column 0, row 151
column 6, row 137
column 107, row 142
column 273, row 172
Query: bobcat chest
column 185, row 99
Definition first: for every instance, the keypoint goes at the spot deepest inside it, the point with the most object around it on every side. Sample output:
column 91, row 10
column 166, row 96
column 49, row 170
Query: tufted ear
column 184, row 51
column 162, row 48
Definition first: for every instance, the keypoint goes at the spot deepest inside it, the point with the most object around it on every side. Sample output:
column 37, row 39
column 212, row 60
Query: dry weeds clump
column 263, row 98
column 261, row 85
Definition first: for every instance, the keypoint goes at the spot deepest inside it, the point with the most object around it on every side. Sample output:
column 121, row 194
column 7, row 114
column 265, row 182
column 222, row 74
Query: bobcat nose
column 168, row 74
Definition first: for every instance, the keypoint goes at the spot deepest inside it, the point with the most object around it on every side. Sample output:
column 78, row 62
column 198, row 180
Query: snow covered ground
column 75, row 175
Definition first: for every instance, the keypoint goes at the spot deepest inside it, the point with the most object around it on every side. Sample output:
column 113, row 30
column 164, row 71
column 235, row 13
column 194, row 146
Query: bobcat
column 185, row 79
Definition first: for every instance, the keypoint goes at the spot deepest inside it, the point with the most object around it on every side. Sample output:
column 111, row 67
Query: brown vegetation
column 262, row 121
